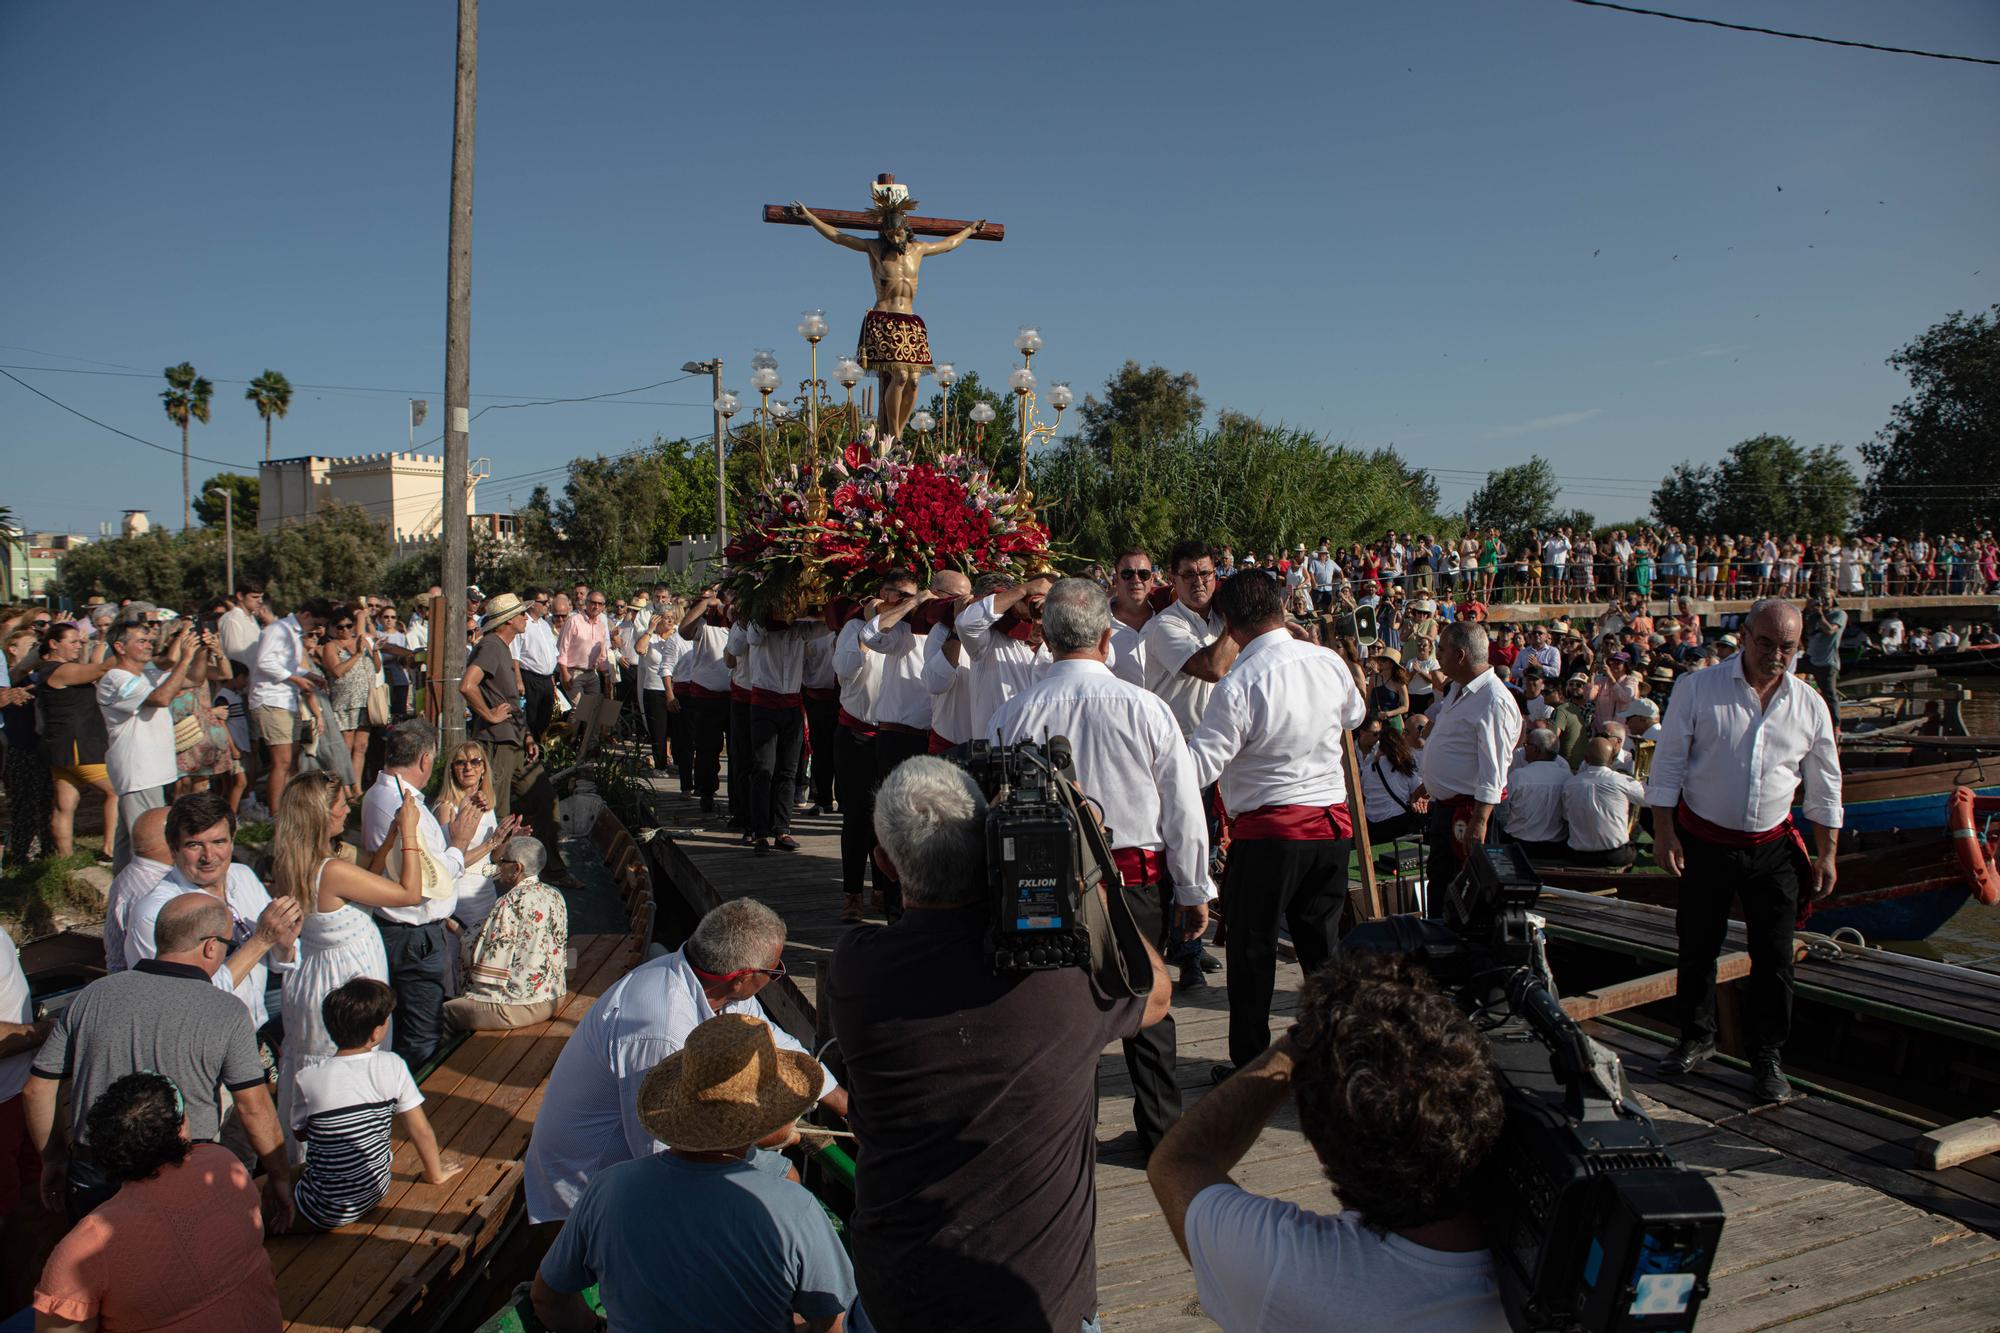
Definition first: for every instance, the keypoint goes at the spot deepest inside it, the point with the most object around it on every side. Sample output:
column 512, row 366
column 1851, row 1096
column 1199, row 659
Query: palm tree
column 186, row 397
column 272, row 393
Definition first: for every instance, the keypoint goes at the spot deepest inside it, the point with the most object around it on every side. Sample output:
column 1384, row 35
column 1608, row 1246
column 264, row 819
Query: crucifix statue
column 894, row 344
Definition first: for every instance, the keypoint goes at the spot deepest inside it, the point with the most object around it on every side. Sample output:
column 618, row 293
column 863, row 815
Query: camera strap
column 1118, row 960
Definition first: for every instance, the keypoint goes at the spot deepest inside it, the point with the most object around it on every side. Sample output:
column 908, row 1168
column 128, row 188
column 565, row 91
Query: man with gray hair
column 590, row 1113
column 1466, row 756
column 517, row 974
column 975, row 1093
column 1532, row 812
column 1597, row 806
column 1131, row 760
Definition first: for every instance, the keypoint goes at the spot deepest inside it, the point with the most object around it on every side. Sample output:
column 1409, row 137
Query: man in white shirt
column 1406, row 1251
column 705, row 627
column 1542, row 652
column 243, row 623
column 1324, row 573
column 278, row 685
column 999, row 630
column 1186, row 650
column 415, row 938
column 200, row 834
column 535, row 653
column 135, row 697
column 1532, row 814
column 1131, row 760
column 777, row 729
column 947, row 668
column 1468, row 750
column 659, row 648
column 1737, row 742
column 1272, row 738
column 151, row 860
column 1598, row 805
column 1555, row 560
column 821, row 688
column 1131, row 585
column 858, row 668
column 903, row 708
column 590, row 1116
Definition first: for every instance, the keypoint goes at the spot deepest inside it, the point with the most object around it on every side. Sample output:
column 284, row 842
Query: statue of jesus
column 893, row 342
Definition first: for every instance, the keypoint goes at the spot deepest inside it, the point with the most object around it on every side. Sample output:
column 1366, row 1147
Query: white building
column 404, row 491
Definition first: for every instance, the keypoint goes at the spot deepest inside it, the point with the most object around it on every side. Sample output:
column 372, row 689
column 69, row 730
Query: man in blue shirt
column 697, row 1238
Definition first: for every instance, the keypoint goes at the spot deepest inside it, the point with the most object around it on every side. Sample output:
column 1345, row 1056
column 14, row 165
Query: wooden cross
column 919, row 226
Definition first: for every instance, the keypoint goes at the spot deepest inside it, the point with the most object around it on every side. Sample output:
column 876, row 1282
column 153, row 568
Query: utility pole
column 448, row 637
column 714, row 369
column 228, row 537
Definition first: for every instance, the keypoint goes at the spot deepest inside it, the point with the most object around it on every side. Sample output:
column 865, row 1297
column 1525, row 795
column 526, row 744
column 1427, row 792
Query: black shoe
column 759, row 847
column 1219, row 1073
column 1684, row 1057
column 749, row 837
column 708, row 803
column 785, row 842
column 1208, row 962
column 1768, row 1082
column 1190, row 978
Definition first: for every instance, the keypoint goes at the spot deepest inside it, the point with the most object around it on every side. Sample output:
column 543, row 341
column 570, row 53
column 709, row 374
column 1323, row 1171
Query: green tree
column 271, row 394
column 1684, row 498
column 1153, row 403
column 1515, row 499
column 186, row 397
column 495, row 565
column 1768, row 483
column 1000, row 449
column 175, row 569
column 243, row 493
column 623, row 511
column 1933, row 466
column 338, row 552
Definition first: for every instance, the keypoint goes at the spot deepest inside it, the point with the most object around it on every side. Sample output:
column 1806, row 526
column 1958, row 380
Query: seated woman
column 181, row 1245
column 518, row 973
column 1388, row 778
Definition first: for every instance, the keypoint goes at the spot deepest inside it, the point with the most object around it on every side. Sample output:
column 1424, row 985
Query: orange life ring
column 1976, row 856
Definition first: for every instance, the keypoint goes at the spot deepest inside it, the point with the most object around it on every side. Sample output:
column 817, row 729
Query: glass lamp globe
column 1022, row 380
column 983, row 413
column 726, row 404
column 812, row 326
column 1061, row 396
column 1028, row 340
column 848, row 371
column 780, row 411
column 947, row 374
column 764, row 379
column 922, row 422
column 763, row 359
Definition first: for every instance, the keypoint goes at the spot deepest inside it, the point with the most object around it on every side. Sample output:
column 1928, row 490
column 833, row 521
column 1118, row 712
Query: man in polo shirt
column 163, row 1015
column 1467, row 753
column 494, row 688
column 243, row 623
column 278, row 685
column 1186, row 650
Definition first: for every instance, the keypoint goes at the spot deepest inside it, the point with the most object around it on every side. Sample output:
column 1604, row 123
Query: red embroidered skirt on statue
column 888, row 338
column 1690, row 824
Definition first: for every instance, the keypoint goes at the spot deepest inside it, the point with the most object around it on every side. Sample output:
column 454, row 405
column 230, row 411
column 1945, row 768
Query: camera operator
column 1396, row 1094
column 1825, row 623
column 1266, row 736
column 1130, row 759
column 974, row 1094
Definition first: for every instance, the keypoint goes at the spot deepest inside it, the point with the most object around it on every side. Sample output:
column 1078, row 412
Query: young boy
column 343, row 1109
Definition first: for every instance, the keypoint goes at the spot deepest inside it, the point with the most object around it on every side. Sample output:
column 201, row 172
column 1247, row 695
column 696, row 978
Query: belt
column 1139, row 866
column 1687, row 821
column 384, row 923
column 902, row 729
column 1295, row 823
column 773, row 699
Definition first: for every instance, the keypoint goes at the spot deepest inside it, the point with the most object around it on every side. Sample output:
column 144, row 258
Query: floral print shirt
column 519, row 955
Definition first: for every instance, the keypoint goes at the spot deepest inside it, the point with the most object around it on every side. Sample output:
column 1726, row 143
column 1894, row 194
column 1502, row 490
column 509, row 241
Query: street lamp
column 228, row 536
column 982, row 415
column 713, row 369
column 922, row 423
column 812, row 327
column 1022, row 381
column 947, row 375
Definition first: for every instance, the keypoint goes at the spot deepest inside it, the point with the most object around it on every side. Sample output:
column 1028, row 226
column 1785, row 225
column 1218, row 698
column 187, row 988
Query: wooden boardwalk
column 1829, row 1227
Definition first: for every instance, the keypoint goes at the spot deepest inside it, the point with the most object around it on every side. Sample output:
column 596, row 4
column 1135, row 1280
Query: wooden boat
column 1971, row 660
column 1913, row 796
column 59, row 965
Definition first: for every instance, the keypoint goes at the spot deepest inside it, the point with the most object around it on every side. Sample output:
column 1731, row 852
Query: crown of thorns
column 891, row 198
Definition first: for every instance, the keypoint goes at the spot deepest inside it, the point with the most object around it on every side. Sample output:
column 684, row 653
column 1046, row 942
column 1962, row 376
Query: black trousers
column 1303, row 884
column 1610, row 856
column 1766, row 879
column 541, row 692
column 1149, row 1057
column 680, row 740
column 1441, row 859
column 659, row 723
column 417, row 975
column 891, row 749
column 774, row 765
column 707, row 722
column 739, row 763
column 822, row 724
column 856, row 789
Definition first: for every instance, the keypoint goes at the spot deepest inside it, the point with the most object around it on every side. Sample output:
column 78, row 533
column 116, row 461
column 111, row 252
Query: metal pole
column 448, row 636
column 721, row 478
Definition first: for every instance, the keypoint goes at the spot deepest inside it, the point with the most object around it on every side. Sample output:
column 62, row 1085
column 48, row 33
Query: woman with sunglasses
column 468, row 779
column 350, row 660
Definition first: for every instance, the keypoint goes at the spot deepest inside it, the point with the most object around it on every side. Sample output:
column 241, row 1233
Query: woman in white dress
column 469, row 778
column 338, row 940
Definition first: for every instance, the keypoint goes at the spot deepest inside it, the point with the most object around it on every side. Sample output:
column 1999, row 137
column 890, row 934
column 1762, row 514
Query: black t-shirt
column 499, row 686
column 974, row 1098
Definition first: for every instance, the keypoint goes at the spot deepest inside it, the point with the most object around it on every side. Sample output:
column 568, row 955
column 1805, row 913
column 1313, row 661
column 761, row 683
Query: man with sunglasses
column 1131, row 586
column 590, row 1116
column 1186, row 650
column 583, row 662
column 536, row 652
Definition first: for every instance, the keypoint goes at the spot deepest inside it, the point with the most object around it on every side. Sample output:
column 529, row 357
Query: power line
column 538, row 399
column 1794, row 36
column 219, row 462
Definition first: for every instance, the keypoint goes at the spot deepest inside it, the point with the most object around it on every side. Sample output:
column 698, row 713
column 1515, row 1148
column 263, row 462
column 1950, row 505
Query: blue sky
column 1477, row 229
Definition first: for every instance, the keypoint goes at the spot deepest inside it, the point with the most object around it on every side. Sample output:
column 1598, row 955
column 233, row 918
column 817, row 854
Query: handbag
column 378, row 705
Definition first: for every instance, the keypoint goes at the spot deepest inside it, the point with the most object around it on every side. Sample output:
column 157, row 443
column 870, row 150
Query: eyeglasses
column 774, row 973
column 1140, row 575
column 225, row 939
column 468, row 763
column 1198, row 576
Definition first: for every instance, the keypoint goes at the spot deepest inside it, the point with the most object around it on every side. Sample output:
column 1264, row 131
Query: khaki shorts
column 276, row 726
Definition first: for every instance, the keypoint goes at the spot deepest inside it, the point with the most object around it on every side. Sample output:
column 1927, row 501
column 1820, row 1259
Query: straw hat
column 728, row 1085
column 502, row 609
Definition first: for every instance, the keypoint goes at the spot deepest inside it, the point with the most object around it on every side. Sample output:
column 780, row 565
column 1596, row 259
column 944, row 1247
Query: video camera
column 1046, row 854
column 1592, row 1222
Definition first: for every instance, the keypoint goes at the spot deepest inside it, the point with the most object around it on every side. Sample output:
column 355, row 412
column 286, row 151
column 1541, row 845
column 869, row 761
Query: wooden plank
column 1822, row 1279
column 1953, row 1145
column 919, row 226
column 1964, row 1301
column 1645, row 990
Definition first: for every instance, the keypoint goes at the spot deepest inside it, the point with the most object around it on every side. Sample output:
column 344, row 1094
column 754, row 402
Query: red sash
column 1689, row 824
column 1139, row 866
column 694, row 691
column 773, row 699
column 821, row 693
column 1021, row 631
column 903, row 728
column 738, row 694
column 856, row 725
column 1295, row 823
column 938, row 744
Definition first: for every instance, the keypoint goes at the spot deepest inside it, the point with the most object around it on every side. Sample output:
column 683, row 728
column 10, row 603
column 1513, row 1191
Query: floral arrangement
column 877, row 510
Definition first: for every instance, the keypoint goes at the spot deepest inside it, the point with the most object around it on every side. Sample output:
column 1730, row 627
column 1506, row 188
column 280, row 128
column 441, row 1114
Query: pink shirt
column 585, row 645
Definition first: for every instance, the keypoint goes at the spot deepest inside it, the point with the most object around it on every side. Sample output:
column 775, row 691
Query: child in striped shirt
column 344, row 1107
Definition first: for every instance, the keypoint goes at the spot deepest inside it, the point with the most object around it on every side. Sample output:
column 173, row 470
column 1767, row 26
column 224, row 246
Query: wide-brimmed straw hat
column 727, row 1086
column 502, row 609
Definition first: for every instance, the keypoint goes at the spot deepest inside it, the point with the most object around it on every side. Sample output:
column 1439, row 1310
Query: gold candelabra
column 1031, row 427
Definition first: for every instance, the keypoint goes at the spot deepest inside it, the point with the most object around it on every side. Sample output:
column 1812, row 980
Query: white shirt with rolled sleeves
column 378, row 819
column 1002, row 666
column 1128, row 653
column 705, row 665
column 590, row 1116
column 1129, row 757
column 1272, row 733
column 247, row 898
column 950, row 686
column 777, row 657
column 739, row 647
column 859, row 671
column 1597, row 806
column 656, row 665
column 141, row 753
column 1170, row 638
column 1471, row 741
column 901, row 696
column 1738, row 765
column 281, row 654
column 819, row 673
column 1533, row 810
column 535, row 647
column 238, row 632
